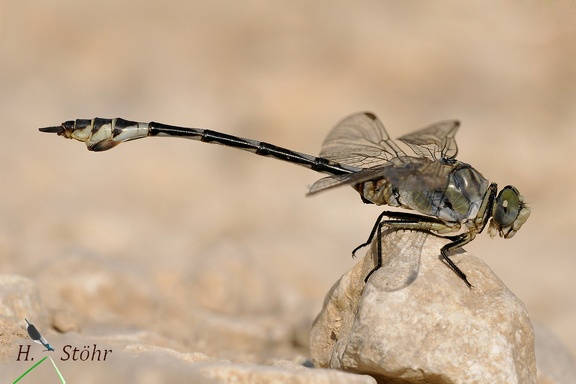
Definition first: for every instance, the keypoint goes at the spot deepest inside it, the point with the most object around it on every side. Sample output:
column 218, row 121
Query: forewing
column 435, row 142
column 346, row 179
column 360, row 141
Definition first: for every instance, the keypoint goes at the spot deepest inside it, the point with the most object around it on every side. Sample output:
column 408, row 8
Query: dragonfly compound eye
column 507, row 206
column 509, row 214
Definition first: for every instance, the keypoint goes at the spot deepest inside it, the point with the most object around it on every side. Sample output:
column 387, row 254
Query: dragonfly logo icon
column 37, row 337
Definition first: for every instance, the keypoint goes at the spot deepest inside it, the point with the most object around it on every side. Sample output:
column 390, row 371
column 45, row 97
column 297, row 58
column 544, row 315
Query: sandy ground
column 285, row 73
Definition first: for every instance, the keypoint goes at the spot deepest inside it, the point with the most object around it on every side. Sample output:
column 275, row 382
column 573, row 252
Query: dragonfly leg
column 457, row 242
column 399, row 220
column 403, row 220
column 375, row 229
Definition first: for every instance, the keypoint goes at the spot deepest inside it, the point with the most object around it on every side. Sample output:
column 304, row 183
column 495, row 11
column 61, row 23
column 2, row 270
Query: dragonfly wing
column 33, row 332
column 435, row 142
column 360, row 141
column 402, row 259
column 346, row 179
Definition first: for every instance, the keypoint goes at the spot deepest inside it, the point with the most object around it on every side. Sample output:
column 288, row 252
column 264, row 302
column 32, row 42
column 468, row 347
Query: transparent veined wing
column 401, row 259
column 421, row 170
column 435, row 142
column 346, row 179
column 360, row 140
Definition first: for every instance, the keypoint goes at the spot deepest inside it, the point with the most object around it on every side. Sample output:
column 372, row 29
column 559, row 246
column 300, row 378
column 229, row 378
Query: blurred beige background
column 285, row 73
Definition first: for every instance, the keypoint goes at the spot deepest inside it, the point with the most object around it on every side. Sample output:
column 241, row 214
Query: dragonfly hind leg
column 403, row 220
column 377, row 227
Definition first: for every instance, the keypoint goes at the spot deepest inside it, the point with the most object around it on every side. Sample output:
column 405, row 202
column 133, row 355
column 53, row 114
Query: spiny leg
column 458, row 241
column 375, row 228
column 403, row 220
column 378, row 227
column 409, row 219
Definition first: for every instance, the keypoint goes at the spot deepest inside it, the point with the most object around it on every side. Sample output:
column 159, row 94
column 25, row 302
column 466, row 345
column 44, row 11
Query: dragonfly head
column 509, row 213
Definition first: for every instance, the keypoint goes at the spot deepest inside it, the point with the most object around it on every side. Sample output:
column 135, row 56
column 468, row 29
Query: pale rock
column 248, row 339
column 64, row 320
column 188, row 357
column 260, row 374
column 227, row 304
column 415, row 321
column 144, row 363
column 222, row 371
column 19, row 300
column 87, row 291
column 121, row 365
column 229, row 281
column 81, row 288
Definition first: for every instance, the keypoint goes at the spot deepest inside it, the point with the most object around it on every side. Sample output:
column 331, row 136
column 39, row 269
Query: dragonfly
column 35, row 335
column 446, row 197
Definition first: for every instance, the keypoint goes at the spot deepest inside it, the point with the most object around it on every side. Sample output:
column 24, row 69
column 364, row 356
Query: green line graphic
column 31, row 368
column 37, row 364
column 58, row 371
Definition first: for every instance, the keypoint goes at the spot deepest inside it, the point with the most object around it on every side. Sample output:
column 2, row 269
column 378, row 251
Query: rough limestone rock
column 19, row 298
column 84, row 287
column 144, row 363
column 259, row 374
column 415, row 321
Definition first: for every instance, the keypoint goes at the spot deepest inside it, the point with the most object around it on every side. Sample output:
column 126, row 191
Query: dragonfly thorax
column 450, row 191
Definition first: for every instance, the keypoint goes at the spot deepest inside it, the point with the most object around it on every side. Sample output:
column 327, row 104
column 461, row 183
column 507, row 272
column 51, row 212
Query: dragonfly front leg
column 457, row 242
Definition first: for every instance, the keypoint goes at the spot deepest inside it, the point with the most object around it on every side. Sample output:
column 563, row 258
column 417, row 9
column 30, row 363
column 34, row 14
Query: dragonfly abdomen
column 380, row 192
column 102, row 134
